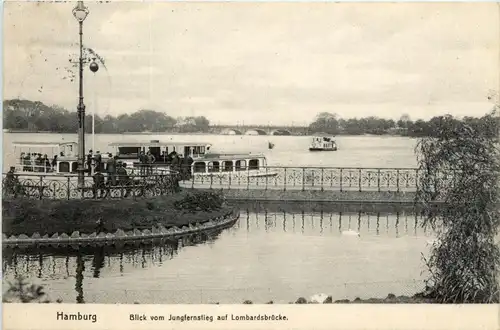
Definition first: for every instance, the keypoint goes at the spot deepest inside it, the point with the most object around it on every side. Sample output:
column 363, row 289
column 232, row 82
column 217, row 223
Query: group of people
column 116, row 175
column 35, row 162
column 181, row 165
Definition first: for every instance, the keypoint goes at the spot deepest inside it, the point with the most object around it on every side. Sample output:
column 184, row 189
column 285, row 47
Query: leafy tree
column 459, row 167
column 29, row 115
column 404, row 121
column 325, row 122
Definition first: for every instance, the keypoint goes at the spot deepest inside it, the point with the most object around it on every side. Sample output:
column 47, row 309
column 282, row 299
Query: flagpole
column 93, row 122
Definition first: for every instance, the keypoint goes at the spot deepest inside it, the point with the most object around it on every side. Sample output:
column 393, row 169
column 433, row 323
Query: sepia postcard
column 217, row 165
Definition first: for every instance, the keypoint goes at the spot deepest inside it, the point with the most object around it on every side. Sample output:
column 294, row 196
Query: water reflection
column 321, row 223
column 255, row 252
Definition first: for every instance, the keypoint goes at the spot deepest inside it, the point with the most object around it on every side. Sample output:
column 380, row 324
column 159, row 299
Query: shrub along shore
column 29, row 216
column 390, row 299
column 21, row 290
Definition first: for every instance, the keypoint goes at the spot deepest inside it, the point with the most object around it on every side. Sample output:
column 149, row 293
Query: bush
column 22, row 291
column 200, row 201
column 460, row 166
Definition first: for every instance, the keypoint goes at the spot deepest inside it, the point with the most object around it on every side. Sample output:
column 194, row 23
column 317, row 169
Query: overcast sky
column 276, row 63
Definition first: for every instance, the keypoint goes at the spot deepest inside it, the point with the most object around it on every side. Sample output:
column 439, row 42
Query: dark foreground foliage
column 21, row 291
column 200, row 201
column 27, row 216
column 461, row 166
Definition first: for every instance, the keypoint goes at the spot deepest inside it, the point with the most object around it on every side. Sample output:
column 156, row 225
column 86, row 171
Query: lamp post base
column 81, row 177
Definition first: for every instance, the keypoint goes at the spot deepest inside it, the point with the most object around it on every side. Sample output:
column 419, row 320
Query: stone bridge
column 259, row 130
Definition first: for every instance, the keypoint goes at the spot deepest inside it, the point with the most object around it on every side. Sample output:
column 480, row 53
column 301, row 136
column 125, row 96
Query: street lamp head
column 80, row 11
column 94, row 66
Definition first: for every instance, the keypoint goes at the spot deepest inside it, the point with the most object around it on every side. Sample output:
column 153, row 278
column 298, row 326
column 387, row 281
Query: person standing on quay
column 46, row 163
column 150, row 160
column 54, row 163
column 39, row 163
column 111, row 169
column 98, row 161
column 11, row 182
column 98, row 188
column 123, row 178
column 143, row 162
column 89, row 162
column 187, row 161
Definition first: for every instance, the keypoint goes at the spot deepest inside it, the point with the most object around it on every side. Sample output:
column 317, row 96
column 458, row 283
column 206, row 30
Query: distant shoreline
column 15, row 131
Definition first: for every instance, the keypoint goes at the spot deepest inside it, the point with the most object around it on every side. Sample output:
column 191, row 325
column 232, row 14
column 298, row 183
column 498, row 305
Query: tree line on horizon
column 37, row 116
column 330, row 123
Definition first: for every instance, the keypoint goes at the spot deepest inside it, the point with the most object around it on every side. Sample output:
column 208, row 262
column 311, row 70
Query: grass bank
column 27, row 216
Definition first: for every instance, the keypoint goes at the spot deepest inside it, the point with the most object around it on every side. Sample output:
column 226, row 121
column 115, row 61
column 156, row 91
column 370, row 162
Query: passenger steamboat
column 323, row 143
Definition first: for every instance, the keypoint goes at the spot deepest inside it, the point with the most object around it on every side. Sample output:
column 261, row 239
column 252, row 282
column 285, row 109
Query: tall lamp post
column 80, row 12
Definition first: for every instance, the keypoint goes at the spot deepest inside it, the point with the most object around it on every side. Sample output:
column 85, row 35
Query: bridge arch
column 258, row 130
column 281, row 132
column 232, row 131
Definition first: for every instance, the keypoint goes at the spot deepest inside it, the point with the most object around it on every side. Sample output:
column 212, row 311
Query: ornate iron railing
column 309, row 178
column 42, row 186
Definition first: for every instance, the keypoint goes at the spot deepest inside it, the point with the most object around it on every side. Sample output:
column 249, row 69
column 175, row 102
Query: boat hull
column 322, row 149
column 232, row 174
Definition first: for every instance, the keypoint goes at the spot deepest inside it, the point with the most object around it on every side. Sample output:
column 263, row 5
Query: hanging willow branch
column 459, row 169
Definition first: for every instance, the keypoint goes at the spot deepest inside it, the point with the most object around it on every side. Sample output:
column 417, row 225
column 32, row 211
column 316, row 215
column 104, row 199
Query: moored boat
column 61, row 159
column 161, row 156
column 193, row 158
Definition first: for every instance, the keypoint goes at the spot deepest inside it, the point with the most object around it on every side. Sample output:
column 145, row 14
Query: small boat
column 323, row 143
column 270, row 145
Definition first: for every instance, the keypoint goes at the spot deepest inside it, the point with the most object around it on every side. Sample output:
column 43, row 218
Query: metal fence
column 266, row 178
column 43, row 186
column 310, row 178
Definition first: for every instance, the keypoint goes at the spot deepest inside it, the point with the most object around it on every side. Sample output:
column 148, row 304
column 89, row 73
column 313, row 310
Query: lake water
column 268, row 255
column 354, row 151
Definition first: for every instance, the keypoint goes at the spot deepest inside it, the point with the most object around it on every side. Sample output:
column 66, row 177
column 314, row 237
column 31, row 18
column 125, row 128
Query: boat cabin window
column 241, row 165
column 74, row 167
column 199, row 167
column 63, row 167
column 228, row 166
column 187, row 150
column 67, row 149
column 253, row 164
column 129, row 151
column 198, row 150
column 214, row 167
